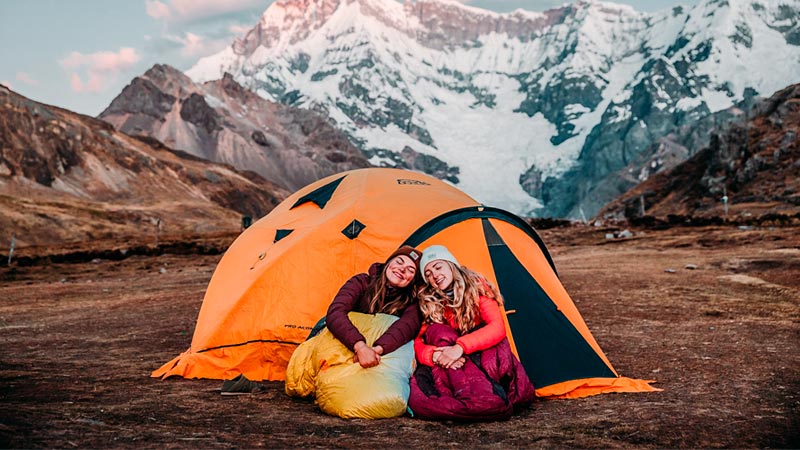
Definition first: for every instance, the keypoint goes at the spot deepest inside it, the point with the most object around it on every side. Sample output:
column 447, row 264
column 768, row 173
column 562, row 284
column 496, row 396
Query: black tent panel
column 280, row 234
column 320, row 195
column 549, row 346
column 455, row 216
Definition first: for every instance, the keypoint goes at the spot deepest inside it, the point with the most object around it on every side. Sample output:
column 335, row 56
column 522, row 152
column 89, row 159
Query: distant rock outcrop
column 752, row 167
column 66, row 177
column 221, row 121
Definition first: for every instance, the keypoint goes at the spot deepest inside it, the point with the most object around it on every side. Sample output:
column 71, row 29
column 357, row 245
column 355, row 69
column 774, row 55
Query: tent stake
column 725, row 201
column 11, row 250
column 641, row 206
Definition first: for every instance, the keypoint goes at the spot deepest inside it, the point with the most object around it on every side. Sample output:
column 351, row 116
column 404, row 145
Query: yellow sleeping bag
column 323, row 367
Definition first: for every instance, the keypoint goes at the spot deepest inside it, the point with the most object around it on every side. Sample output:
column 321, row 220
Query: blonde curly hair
column 468, row 286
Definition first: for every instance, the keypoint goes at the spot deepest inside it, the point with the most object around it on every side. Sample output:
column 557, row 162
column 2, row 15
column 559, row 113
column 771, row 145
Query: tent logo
column 416, row 182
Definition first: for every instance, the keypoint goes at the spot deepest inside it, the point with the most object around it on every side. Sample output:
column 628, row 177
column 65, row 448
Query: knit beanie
column 409, row 251
column 436, row 252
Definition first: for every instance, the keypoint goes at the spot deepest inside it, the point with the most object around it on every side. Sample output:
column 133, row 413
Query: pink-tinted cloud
column 156, row 9
column 26, row 79
column 94, row 83
column 99, row 68
column 107, row 61
column 193, row 45
column 240, row 29
column 188, row 10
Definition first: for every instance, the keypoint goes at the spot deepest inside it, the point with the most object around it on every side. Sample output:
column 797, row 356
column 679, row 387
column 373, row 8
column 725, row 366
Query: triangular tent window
column 353, row 229
column 320, row 196
column 280, row 234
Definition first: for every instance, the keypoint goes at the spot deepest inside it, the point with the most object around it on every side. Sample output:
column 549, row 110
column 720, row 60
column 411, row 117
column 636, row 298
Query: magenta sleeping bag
column 490, row 385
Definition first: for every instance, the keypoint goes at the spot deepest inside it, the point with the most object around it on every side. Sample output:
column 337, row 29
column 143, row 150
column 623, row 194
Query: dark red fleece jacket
column 351, row 298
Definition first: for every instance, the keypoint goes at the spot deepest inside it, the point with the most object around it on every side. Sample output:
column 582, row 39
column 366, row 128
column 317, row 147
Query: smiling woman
column 375, row 315
column 387, row 288
column 466, row 368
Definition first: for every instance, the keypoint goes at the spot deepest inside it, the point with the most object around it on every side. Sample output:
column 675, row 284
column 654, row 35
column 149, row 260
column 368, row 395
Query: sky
column 80, row 54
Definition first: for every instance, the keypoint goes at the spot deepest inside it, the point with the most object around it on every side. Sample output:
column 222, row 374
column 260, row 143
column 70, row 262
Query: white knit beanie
column 436, row 252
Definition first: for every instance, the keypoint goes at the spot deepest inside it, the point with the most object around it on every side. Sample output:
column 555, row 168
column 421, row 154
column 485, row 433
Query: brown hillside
column 755, row 162
column 65, row 177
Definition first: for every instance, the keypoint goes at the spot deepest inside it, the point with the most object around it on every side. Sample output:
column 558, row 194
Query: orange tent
column 279, row 276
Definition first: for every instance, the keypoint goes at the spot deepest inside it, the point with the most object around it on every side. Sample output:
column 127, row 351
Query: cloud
column 193, row 45
column 26, row 79
column 196, row 28
column 156, row 9
column 95, row 83
column 191, row 10
column 240, row 29
column 99, row 68
column 102, row 61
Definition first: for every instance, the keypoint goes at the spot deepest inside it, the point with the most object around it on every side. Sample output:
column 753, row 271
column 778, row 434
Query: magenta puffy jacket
column 490, row 385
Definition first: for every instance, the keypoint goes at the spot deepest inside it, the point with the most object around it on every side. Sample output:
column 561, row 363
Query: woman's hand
column 365, row 355
column 449, row 357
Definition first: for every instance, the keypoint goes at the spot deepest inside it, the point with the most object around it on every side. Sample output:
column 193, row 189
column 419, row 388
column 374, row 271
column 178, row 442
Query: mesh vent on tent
column 353, row 229
column 320, row 195
column 280, row 234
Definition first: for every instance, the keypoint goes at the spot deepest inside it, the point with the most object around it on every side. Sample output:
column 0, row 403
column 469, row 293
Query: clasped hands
column 367, row 356
column 451, row 357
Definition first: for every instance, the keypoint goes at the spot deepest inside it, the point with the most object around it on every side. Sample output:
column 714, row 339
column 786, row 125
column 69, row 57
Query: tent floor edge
column 587, row 387
column 166, row 370
column 258, row 361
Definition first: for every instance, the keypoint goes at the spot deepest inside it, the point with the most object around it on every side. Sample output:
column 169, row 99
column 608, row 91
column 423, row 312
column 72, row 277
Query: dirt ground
column 712, row 314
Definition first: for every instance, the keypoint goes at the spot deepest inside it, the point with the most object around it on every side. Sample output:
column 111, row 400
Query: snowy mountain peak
column 450, row 23
column 606, row 8
column 515, row 107
column 284, row 23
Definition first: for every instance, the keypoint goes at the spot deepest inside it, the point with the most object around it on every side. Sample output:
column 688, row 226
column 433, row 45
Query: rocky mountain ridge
column 67, row 177
column 750, row 168
column 223, row 122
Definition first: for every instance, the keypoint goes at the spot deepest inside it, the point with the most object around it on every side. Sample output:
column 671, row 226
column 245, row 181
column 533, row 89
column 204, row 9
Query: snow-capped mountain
column 526, row 111
column 223, row 122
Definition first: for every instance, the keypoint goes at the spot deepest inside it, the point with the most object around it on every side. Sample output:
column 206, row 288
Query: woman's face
column 439, row 274
column 400, row 271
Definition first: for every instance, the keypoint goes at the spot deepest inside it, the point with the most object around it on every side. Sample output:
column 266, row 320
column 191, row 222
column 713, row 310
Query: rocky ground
column 712, row 313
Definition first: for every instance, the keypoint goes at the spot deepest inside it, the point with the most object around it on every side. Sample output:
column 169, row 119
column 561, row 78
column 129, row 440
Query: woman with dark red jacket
column 466, row 369
column 387, row 288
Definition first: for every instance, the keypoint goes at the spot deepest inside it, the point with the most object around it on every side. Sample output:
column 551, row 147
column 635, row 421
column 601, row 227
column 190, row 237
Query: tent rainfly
column 279, row 276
